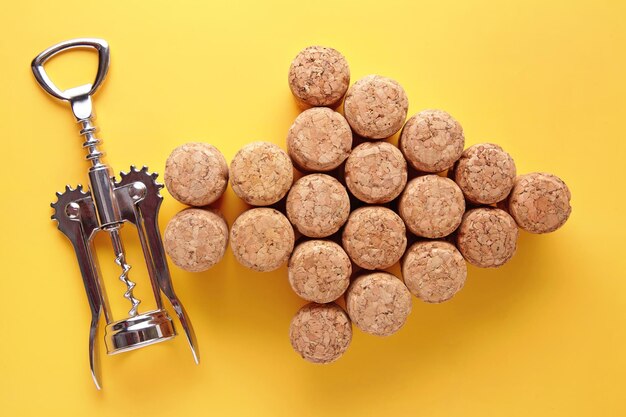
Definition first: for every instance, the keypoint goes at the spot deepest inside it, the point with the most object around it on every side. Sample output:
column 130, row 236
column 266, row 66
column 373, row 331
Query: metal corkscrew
column 106, row 207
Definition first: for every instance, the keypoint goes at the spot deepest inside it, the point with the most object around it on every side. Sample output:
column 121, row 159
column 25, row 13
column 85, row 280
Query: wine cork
column 432, row 206
column 319, row 139
column 376, row 172
column 261, row 173
column 374, row 237
column 540, row 202
column 319, row 76
column 487, row 237
column 432, row 141
column 196, row 174
column 434, row 271
column 319, row 271
column 376, row 107
column 318, row 205
column 485, row 173
column 378, row 303
column 261, row 239
column 320, row 333
column 196, row 239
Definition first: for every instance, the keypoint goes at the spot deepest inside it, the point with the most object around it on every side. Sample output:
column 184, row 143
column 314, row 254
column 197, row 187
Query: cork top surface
column 196, row 174
column 319, row 271
column 540, row 202
column 487, row 237
column 434, row 271
column 432, row 141
column 432, row 206
column 485, row 173
column 261, row 173
column 378, row 303
column 376, row 172
column 319, row 76
column 262, row 239
column 320, row 139
column 374, row 237
column 196, row 239
column 376, row 107
column 320, row 333
column 318, row 205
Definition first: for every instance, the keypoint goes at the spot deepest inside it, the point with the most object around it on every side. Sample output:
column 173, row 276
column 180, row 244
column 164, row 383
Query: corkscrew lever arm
column 165, row 282
column 75, row 213
column 140, row 201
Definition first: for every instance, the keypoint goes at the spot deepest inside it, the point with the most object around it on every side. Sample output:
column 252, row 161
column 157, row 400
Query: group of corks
column 461, row 205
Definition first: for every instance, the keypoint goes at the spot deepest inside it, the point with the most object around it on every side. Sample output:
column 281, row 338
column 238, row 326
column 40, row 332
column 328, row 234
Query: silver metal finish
column 107, row 206
column 103, row 193
column 120, row 259
column 139, row 331
column 46, row 83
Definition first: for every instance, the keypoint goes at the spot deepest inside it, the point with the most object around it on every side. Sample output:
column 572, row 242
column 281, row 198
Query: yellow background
column 544, row 335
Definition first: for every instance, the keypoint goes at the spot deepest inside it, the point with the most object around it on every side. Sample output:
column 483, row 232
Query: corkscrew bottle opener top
column 107, row 206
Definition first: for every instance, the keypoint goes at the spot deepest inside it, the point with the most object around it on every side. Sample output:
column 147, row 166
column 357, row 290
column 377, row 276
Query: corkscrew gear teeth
column 64, row 198
column 143, row 175
column 108, row 206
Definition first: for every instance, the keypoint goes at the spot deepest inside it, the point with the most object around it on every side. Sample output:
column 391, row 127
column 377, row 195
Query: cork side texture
column 378, row 303
column 540, row 202
column 196, row 174
column 432, row 206
column 320, row 139
column 262, row 239
column 376, row 172
column 318, row 205
column 485, row 173
column 374, row 237
column 487, row 237
column 376, row 107
column 196, row 239
column 319, row 76
column 320, row 333
column 261, row 173
column 319, row 271
column 434, row 271
column 432, row 141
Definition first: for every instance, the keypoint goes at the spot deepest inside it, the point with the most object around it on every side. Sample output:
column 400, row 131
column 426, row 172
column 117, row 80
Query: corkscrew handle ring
column 72, row 94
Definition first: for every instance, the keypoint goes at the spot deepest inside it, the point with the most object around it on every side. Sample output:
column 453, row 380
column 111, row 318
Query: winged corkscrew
column 107, row 207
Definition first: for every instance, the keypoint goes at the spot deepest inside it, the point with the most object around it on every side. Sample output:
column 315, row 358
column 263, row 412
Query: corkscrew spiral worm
column 121, row 261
